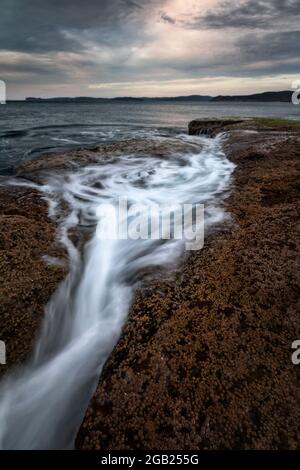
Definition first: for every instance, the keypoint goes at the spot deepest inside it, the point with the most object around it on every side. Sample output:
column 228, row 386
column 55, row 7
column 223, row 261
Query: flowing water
column 29, row 129
column 43, row 402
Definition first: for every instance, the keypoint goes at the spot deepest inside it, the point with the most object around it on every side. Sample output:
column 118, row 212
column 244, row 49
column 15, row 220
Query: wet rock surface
column 204, row 361
column 211, row 127
column 26, row 235
column 36, row 169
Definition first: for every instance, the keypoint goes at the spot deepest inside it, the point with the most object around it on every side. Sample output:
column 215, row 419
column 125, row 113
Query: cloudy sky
column 148, row 48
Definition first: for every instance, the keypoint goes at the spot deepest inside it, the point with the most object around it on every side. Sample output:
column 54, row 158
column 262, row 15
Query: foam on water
column 43, row 402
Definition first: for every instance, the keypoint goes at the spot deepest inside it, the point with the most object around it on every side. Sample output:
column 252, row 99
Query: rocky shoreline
column 204, row 359
column 27, row 282
column 204, row 362
column 27, row 236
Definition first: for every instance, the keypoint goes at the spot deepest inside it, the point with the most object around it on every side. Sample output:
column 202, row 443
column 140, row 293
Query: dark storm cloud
column 29, row 67
column 167, row 19
column 78, row 43
column 248, row 14
column 271, row 46
column 58, row 25
column 134, row 4
column 279, row 49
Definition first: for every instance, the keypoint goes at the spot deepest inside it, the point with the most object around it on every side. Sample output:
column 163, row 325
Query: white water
column 43, row 402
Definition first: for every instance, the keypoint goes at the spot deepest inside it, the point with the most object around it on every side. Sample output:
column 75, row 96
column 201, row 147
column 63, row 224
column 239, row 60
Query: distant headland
column 269, row 96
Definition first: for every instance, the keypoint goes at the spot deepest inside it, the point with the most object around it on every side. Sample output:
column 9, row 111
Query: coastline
column 205, row 362
column 225, row 311
column 28, row 235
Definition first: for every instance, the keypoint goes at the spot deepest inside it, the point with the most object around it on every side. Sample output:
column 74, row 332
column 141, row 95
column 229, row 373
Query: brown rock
column 212, row 127
column 204, row 361
column 26, row 234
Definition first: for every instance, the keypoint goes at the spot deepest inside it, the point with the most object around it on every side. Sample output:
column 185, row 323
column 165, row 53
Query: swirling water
column 42, row 403
column 29, row 129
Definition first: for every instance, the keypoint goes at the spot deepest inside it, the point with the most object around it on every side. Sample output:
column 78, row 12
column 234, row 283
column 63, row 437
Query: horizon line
column 28, row 98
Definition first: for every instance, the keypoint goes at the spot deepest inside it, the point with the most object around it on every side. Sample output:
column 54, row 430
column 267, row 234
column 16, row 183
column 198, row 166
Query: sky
column 114, row 48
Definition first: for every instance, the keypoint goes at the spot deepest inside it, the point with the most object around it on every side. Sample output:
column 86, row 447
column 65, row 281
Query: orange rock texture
column 26, row 234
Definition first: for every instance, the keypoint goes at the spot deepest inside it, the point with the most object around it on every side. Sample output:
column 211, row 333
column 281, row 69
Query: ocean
column 84, row 318
column 28, row 130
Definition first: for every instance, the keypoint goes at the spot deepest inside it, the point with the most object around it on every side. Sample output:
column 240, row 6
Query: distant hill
column 183, row 98
column 78, row 99
column 87, row 99
column 269, row 96
column 283, row 96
